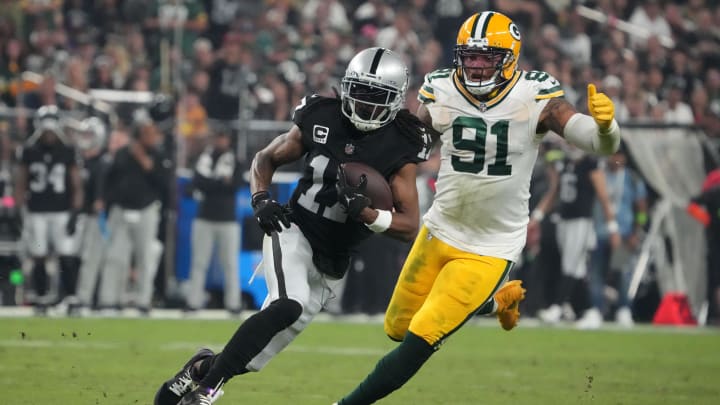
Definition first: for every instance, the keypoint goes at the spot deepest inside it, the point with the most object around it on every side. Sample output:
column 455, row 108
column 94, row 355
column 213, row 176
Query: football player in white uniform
column 491, row 117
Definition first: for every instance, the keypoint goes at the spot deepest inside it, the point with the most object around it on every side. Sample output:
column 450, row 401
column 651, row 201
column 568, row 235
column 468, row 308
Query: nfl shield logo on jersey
column 482, row 107
column 349, row 149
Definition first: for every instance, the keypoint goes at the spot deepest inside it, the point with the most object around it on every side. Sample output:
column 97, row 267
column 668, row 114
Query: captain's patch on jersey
column 320, row 134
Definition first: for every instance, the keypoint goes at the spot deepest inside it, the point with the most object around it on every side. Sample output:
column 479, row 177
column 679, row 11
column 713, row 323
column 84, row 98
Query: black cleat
column 183, row 382
column 202, row 396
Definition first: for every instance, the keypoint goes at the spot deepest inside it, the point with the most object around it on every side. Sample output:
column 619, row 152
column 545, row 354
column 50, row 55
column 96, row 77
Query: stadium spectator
column 676, row 110
column 167, row 16
column 400, row 36
column 327, row 14
column 91, row 139
column 628, row 198
column 192, row 127
column 649, row 16
column 139, row 176
column 576, row 44
column 222, row 14
column 216, row 179
column 229, row 76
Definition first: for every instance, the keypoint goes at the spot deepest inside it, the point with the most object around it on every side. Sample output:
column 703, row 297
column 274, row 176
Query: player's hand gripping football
column 352, row 198
column 600, row 107
column 271, row 216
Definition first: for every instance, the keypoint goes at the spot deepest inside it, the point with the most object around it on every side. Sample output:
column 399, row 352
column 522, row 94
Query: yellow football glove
column 600, row 107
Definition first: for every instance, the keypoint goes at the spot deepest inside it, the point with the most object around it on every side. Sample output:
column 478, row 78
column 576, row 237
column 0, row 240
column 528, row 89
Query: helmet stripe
column 376, row 60
column 475, row 24
column 486, row 22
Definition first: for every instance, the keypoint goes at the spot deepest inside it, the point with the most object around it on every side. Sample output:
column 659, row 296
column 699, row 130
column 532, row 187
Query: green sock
column 487, row 308
column 392, row 371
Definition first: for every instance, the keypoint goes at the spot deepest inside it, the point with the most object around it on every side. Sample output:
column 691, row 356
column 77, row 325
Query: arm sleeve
column 582, row 131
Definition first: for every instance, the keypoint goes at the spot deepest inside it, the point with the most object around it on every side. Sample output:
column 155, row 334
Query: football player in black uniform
column 49, row 187
column 580, row 183
column 308, row 245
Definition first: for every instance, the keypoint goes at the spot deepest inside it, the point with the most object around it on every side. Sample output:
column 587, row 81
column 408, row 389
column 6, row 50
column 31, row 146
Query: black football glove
column 352, row 198
column 71, row 225
column 269, row 213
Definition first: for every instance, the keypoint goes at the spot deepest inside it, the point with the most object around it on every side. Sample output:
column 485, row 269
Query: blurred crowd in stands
column 230, row 61
column 666, row 69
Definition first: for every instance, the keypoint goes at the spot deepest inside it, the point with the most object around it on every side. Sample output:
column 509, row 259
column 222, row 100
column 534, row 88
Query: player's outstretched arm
column 404, row 221
column 285, row 148
column 596, row 133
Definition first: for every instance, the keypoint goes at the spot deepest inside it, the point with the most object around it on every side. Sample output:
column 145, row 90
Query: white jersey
column 487, row 157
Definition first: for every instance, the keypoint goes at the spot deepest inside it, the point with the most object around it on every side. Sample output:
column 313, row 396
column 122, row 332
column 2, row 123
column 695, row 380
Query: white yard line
column 180, row 346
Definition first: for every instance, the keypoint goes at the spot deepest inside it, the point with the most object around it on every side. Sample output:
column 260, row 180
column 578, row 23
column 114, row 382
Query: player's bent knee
column 287, row 310
column 394, row 329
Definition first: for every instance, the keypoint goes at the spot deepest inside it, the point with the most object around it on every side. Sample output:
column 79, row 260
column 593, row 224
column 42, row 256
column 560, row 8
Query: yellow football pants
column 439, row 288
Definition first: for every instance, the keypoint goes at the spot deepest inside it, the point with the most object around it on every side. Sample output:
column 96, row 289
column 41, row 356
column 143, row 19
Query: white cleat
column 592, row 319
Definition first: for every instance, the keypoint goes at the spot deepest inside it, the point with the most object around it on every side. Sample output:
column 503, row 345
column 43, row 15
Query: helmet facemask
column 483, row 69
column 369, row 105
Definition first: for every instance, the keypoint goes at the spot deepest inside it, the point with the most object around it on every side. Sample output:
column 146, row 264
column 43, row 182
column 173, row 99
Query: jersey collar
column 484, row 105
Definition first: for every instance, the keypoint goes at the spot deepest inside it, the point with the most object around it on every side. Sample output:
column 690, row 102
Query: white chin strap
column 368, row 125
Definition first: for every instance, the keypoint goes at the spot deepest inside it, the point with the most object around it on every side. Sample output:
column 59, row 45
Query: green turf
column 122, row 361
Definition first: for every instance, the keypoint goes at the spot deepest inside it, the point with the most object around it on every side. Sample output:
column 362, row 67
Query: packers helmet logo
column 514, row 31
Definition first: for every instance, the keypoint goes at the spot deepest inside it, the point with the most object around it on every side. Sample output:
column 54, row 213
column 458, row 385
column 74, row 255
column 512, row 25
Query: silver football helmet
column 47, row 119
column 92, row 134
column 373, row 88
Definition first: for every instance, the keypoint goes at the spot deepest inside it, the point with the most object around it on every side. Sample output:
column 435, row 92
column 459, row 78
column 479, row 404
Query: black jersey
column 48, row 182
column 331, row 139
column 577, row 194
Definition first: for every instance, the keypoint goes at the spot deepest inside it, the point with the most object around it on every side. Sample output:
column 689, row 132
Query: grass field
column 122, row 361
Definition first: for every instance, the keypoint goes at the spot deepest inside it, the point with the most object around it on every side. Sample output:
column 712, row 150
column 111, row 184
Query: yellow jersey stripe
column 550, row 95
column 425, row 94
column 428, row 89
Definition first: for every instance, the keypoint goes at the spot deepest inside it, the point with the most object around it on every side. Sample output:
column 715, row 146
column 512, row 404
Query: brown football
column 377, row 188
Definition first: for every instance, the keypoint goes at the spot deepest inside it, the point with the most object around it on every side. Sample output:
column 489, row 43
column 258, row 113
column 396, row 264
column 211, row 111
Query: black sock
column 582, row 295
column 250, row 338
column 40, row 277
column 565, row 289
column 392, row 371
column 201, row 370
column 69, row 269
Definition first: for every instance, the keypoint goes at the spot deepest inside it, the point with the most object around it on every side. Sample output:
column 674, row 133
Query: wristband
column 537, row 215
column 258, row 196
column 382, row 222
column 613, row 226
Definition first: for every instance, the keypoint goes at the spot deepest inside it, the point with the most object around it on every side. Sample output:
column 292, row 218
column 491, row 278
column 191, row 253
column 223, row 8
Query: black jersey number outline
column 319, row 165
column 477, row 146
column 42, row 177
